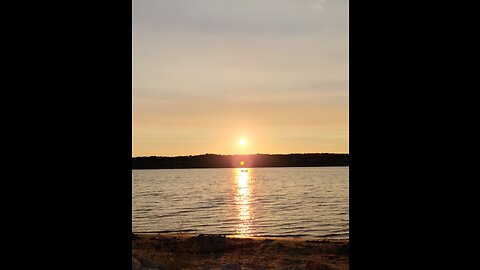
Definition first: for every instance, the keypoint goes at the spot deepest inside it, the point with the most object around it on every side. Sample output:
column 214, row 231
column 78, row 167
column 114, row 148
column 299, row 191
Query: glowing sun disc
column 243, row 142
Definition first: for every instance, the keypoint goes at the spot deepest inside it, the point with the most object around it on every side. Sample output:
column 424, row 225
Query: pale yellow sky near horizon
column 208, row 73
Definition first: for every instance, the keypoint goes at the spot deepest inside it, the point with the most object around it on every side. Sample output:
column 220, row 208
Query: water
column 274, row 202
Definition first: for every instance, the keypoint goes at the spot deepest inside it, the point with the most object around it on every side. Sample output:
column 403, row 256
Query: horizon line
column 242, row 154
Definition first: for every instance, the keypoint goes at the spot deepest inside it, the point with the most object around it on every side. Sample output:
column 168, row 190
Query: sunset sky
column 207, row 74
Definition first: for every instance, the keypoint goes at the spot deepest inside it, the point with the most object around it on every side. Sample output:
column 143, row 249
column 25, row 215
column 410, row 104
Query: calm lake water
column 275, row 202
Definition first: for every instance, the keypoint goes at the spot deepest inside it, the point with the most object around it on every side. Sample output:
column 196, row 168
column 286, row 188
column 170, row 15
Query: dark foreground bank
column 176, row 251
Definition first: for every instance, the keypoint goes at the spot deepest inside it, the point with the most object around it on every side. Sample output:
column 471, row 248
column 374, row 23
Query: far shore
column 165, row 251
column 247, row 161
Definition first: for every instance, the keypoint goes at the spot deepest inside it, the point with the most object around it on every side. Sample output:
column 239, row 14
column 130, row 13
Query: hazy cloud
column 275, row 68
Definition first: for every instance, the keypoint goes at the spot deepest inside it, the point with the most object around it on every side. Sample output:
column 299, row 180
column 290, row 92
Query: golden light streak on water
column 243, row 201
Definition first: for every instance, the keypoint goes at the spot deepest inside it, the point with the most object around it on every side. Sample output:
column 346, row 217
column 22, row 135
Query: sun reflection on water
column 243, row 201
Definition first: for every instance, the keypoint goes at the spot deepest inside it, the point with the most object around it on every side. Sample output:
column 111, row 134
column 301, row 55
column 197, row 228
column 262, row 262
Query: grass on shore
column 187, row 251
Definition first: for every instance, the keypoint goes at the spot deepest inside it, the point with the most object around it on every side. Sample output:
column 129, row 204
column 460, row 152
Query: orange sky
column 206, row 74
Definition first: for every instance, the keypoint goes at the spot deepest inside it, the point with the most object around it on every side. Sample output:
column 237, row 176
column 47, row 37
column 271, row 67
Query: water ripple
column 277, row 202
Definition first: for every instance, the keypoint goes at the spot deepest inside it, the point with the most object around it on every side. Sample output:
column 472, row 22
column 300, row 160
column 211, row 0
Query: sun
column 243, row 142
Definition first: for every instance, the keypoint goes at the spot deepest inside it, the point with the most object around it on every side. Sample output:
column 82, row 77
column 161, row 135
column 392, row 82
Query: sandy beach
column 204, row 252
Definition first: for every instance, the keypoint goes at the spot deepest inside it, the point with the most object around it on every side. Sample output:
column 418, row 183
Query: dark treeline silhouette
column 234, row 161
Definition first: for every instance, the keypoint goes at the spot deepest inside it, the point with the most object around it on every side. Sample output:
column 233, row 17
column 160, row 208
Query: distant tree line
column 234, row 161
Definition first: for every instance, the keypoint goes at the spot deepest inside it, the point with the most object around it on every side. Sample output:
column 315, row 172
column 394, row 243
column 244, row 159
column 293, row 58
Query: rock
column 143, row 264
column 314, row 265
column 209, row 243
column 342, row 249
column 230, row 266
column 292, row 267
column 136, row 265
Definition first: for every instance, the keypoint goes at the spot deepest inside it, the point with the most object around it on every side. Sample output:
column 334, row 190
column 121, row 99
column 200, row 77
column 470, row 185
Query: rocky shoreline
column 151, row 251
